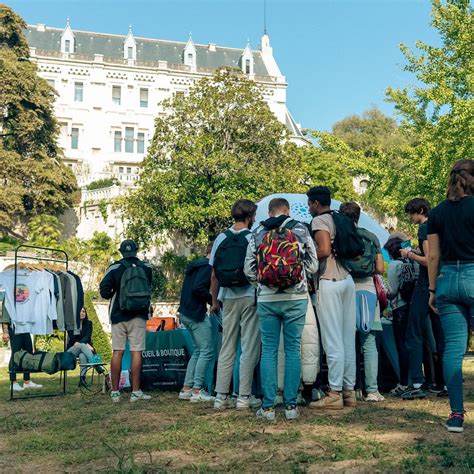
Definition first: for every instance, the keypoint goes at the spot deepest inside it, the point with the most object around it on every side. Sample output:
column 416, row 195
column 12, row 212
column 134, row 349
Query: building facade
column 110, row 89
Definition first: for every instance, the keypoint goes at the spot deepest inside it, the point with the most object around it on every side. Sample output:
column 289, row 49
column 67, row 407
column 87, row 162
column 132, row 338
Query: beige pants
column 134, row 330
column 239, row 318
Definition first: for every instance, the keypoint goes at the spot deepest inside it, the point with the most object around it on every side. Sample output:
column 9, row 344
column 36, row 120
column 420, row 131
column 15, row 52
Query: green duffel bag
column 48, row 362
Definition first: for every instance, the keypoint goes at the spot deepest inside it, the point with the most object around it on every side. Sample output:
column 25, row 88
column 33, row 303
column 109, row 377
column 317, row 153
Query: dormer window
column 246, row 60
column 130, row 46
column 67, row 40
column 189, row 53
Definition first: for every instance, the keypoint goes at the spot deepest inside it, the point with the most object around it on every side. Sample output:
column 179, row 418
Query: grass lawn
column 78, row 433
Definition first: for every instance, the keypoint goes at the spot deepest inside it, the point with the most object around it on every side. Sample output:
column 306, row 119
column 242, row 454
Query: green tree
column 44, row 230
column 219, row 143
column 33, row 178
column 370, row 133
column 439, row 110
column 100, row 252
column 100, row 339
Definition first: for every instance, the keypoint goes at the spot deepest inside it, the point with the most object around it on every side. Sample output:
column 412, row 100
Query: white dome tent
column 299, row 210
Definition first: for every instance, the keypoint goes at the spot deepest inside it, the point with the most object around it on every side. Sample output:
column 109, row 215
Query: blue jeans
column 368, row 344
column 271, row 316
column 455, row 301
column 202, row 337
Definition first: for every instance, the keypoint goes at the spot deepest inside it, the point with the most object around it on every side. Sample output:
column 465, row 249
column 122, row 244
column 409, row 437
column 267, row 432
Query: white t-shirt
column 35, row 307
column 231, row 293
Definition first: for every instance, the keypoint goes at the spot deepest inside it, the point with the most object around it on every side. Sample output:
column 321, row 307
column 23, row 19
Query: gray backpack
column 135, row 288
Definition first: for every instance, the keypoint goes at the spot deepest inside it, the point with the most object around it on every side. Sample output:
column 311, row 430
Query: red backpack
column 279, row 262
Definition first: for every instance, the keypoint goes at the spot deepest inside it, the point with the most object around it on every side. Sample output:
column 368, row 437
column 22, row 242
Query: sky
column 338, row 56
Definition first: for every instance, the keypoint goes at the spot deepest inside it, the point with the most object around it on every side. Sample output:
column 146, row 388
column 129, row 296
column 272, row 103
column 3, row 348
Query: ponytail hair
column 461, row 180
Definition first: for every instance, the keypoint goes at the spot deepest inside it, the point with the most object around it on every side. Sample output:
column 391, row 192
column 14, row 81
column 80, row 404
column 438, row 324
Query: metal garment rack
column 64, row 261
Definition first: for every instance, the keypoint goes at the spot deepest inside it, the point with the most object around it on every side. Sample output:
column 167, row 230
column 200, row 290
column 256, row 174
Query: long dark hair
column 461, row 180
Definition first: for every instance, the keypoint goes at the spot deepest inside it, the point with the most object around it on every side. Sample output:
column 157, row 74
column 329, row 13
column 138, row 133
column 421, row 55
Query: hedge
column 100, row 339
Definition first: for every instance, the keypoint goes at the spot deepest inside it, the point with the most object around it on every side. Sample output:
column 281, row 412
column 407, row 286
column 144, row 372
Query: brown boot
column 332, row 401
column 349, row 398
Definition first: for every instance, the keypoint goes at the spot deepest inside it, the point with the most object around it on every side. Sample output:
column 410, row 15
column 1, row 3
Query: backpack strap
column 290, row 224
column 128, row 264
column 41, row 361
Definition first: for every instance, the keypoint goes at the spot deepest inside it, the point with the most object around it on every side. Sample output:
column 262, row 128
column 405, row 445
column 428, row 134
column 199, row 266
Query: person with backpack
column 336, row 241
column 401, row 280
column 195, row 296
column 127, row 284
column 418, row 210
column 363, row 270
column 280, row 258
column 451, row 278
column 239, row 318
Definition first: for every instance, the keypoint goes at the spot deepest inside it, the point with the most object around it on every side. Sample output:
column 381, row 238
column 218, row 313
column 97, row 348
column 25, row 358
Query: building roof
column 111, row 46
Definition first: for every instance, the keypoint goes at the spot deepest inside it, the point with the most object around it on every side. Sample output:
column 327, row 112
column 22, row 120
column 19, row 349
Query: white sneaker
column 115, row 396
column 202, row 396
column 135, row 396
column 291, row 413
column 244, row 403
column 17, row 387
column 32, row 385
column 185, row 394
column 268, row 415
column 223, row 403
column 374, row 397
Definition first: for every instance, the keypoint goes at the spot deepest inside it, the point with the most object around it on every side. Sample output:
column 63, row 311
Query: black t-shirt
column 453, row 221
column 422, row 237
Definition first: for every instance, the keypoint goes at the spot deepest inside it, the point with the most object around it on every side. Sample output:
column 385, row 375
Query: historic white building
column 110, row 89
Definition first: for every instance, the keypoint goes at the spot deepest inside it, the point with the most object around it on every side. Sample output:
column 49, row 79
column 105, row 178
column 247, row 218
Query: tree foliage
column 32, row 176
column 44, row 230
column 439, row 111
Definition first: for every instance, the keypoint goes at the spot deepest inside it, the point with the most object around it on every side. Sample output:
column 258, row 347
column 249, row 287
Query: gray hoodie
column 308, row 252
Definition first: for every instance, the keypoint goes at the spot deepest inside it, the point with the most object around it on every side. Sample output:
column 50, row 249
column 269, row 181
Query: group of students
column 264, row 281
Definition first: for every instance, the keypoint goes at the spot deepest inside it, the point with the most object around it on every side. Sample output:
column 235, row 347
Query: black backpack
column 347, row 244
column 135, row 288
column 230, row 258
column 408, row 279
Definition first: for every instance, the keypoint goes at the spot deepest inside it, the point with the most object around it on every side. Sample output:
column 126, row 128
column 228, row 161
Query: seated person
column 81, row 345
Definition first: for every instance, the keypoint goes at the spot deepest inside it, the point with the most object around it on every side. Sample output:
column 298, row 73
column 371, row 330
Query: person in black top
column 418, row 210
column 195, row 296
column 126, row 324
column 451, row 246
column 81, row 345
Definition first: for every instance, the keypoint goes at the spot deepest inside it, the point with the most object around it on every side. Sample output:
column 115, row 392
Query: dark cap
column 128, row 248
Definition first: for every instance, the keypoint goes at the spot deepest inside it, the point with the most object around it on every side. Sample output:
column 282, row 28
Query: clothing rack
column 52, row 259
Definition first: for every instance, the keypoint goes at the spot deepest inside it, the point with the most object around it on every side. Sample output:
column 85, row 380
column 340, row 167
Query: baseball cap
column 128, row 248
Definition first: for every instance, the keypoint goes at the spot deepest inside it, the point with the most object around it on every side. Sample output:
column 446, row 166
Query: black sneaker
column 443, row 394
column 436, row 388
column 412, row 393
column 455, row 423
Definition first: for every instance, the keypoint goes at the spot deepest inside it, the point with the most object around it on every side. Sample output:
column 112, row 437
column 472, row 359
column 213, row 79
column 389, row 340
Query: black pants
column 19, row 342
column 438, row 355
column 399, row 324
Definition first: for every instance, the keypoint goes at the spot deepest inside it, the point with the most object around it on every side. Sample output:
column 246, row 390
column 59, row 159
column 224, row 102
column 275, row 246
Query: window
column 129, row 170
column 128, row 140
column 141, row 143
column 143, row 97
column 67, row 46
column 190, row 59
column 117, row 141
column 116, row 94
column 121, row 169
column 78, row 91
column 130, row 52
column 247, row 66
column 75, row 138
